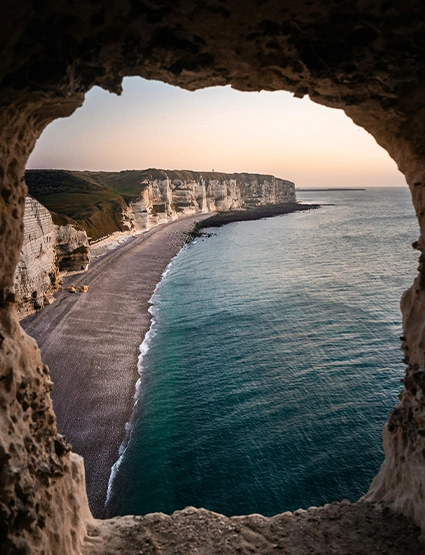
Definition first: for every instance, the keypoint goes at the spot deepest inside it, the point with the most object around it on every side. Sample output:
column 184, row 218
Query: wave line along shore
column 91, row 344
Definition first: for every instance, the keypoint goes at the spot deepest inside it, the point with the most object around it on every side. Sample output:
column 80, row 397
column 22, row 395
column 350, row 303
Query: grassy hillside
column 95, row 200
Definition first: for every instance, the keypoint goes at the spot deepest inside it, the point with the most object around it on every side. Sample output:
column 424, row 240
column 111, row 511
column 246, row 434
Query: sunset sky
column 156, row 125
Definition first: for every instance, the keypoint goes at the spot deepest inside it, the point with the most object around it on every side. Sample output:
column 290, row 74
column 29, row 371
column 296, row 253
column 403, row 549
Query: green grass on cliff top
column 95, row 200
column 73, row 193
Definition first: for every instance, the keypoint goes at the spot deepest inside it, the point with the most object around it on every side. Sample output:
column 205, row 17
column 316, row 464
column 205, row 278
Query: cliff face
column 105, row 202
column 58, row 244
column 71, row 248
column 36, row 273
column 400, row 482
column 47, row 249
column 171, row 195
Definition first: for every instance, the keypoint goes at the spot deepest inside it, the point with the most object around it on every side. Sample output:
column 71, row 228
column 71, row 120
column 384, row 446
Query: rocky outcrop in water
column 47, row 250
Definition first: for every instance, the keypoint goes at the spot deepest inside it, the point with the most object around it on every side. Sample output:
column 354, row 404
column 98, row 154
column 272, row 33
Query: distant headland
column 103, row 203
column 330, row 189
column 72, row 215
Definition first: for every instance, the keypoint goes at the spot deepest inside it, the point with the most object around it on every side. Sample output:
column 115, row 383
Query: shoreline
column 102, row 331
column 143, row 349
column 220, row 219
column 91, row 342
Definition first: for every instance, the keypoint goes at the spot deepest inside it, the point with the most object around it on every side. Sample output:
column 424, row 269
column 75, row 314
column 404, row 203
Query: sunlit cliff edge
column 88, row 206
column 106, row 202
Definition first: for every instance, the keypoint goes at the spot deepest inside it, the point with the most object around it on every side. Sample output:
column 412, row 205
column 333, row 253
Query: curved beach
column 90, row 341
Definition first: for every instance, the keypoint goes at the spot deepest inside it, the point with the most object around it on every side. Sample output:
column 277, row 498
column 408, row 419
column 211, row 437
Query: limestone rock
column 36, row 272
column 47, row 249
column 71, row 248
column 140, row 199
column 43, row 504
column 177, row 194
column 337, row 528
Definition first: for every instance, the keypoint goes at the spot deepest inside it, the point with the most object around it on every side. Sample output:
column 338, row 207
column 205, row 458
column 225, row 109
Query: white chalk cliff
column 46, row 250
column 164, row 196
column 168, row 195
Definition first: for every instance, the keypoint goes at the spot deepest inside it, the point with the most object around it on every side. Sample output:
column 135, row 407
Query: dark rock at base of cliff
column 257, row 213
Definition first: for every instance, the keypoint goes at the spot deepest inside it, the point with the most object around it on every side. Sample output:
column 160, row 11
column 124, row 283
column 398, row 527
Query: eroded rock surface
column 174, row 194
column 105, row 202
column 338, row 529
column 36, row 274
column 47, row 249
column 71, row 248
column 367, row 58
column 43, row 503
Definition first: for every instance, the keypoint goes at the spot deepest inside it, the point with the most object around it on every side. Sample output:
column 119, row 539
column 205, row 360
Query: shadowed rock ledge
column 365, row 58
column 339, row 528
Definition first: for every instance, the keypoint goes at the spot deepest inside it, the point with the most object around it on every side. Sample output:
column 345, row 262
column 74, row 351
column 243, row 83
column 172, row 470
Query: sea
column 272, row 362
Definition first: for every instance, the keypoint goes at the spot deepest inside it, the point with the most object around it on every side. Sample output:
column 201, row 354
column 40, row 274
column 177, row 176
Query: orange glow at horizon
column 157, row 125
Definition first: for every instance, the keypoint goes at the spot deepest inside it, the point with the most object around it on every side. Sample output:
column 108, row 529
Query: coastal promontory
column 105, row 202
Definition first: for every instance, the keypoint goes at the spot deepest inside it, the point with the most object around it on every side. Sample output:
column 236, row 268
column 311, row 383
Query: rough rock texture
column 46, row 250
column 36, row 274
column 43, row 504
column 337, row 529
column 365, row 57
column 71, row 248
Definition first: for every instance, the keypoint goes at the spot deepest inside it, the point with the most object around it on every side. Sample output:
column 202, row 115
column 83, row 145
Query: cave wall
column 364, row 57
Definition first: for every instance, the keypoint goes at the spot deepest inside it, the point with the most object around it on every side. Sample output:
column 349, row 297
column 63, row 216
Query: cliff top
column 97, row 200
column 125, row 182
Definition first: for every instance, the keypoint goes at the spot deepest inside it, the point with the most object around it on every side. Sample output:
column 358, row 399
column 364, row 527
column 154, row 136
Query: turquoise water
column 273, row 361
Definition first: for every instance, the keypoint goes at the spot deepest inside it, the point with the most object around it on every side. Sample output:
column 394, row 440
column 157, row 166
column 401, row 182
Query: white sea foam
column 144, row 348
column 287, row 356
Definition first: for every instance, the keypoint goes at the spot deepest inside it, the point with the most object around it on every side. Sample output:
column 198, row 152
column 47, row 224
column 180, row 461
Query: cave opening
column 103, row 130
column 366, row 59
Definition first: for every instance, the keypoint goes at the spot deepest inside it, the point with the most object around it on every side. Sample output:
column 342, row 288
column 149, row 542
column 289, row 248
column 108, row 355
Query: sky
column 154, row 125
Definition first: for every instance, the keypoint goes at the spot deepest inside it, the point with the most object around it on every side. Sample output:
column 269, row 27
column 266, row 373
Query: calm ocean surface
column 273, row 361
